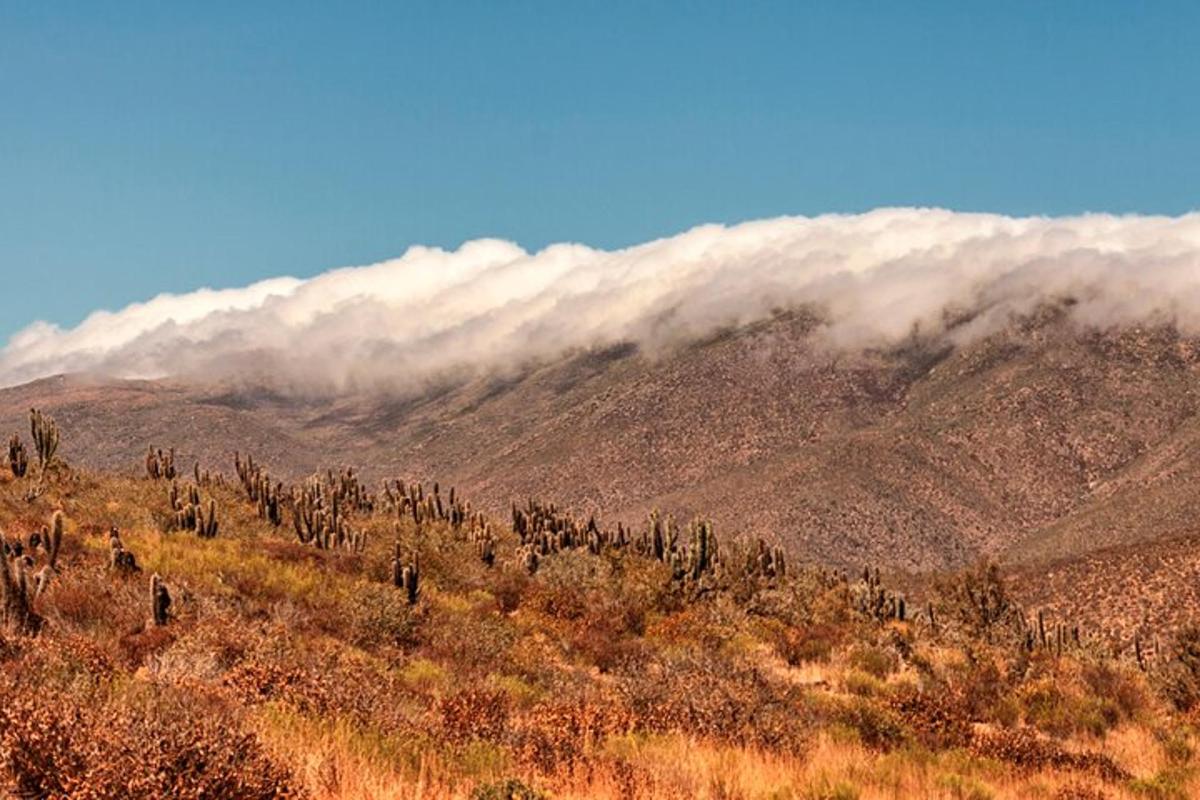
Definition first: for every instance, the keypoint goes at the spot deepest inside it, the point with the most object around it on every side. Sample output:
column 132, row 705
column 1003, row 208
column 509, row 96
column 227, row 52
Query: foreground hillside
column 1041, row 442
column 234, row 637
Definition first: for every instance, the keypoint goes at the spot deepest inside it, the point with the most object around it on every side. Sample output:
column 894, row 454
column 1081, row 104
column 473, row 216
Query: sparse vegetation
column 401, row 643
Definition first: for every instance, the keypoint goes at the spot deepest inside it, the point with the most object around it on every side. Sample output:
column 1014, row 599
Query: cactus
column 160, row 600
column 120, row 559
column 18, row 460
column 160, row 465
column 487, row 551
column 206, row 525
column 16, row 596
column 54, row 538
column 406, row 576
column 45, row 437
column 530, row 559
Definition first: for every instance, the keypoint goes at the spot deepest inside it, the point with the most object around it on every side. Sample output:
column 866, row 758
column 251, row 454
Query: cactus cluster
column 406, row 575
column 480, row 535
column 412, row 502
column 120, row 559
column 876, row 601
column 543, row 530
column 45, row 437
column 766, row 562
column 700, row 555
column 1057, row 637
column 350, row 490
column 20, row 584
column 266, row 495
column 319, row 519
column 160, row 465
column 206, row 478
column 18, row 459
column 190, row 513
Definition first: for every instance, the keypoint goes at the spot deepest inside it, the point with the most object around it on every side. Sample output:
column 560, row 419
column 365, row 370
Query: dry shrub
column 1178, row 679
column 82, row 656
column 290, row 551
column 1079, row 791
column 567, row 585
column 701, row 693
column 801, row 645
column 878, row 727
column 938, row 720
column 77, row 603
column 472, row 713
column 90, row 598
column 608, row 634
column 603, row 644
column 1023, row 748
column 257, row 680
column 475, row 641
column 509, row 590
column 558, row 734
column 54, row 745
column 379, row 614
column 1060, row 705
column 879, row 662
column 511, row 789
column 1119, row 691
column 139, row 645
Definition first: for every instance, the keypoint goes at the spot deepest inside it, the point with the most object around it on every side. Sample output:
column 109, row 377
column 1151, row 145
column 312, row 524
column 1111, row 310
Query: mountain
column 1045, row 441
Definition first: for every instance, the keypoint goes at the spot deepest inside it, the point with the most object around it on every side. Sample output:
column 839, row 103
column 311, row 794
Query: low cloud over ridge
column 489, row 304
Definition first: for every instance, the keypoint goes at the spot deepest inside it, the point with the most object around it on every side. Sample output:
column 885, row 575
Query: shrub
column 53, row 744
column 939, row 720
column 472, row 713
column 1179, row 678
column 380, row 615
column 877, row 727
column 873, row 660
column 511, row 789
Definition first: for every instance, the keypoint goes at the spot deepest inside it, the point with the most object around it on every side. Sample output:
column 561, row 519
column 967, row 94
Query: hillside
column 164, row 638
column 1043, row 441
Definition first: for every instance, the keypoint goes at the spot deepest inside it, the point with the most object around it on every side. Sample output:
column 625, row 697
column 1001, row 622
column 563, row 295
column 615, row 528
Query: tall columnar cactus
column 160, row 600
column 207, row 524
column 160, row 464
column 486, row 548
column 54, row 538
column 16, row 594
column 406, row 576
column 18, row 460
column 530, row 559
column 45, row 437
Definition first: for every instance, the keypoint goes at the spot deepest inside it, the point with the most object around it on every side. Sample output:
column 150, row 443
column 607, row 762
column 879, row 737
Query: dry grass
column 292, row 672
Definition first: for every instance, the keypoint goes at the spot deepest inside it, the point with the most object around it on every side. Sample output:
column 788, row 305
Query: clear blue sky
column 148, row 147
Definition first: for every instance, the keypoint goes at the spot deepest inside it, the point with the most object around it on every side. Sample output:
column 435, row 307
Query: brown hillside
column 1043, row 441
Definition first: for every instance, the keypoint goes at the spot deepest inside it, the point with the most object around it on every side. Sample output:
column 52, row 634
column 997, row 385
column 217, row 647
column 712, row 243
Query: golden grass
column 271, row 633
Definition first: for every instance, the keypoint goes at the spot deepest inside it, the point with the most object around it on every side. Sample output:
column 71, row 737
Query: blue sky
column 166, row 146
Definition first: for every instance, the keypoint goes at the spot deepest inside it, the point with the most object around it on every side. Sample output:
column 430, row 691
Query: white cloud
column 490, row 304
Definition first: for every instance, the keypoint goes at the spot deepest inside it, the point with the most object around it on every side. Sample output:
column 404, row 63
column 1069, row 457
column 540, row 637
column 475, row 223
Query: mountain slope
column 1041, row 442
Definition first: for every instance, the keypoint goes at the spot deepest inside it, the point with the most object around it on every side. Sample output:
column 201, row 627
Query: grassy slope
column 597, row 677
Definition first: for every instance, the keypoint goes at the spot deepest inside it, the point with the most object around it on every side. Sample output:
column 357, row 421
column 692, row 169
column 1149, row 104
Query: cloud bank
column 491, row 305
